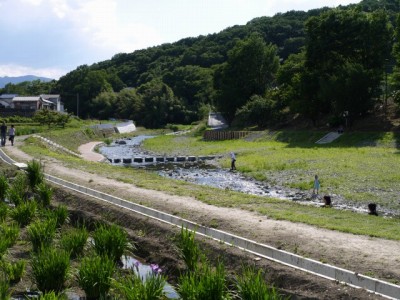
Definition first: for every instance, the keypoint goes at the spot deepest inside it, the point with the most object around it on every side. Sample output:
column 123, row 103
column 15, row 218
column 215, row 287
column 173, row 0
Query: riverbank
column 371, row 256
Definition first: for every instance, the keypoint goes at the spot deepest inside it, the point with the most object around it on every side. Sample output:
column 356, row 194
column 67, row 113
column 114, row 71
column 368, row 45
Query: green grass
column 5, row 293
column 3, row 211
column 74, row 241
column 361, row 166
column 14, row 271
column 50, row 268
column 251, row 285
column 189, row 249
column 132, row 286
column 41, row 234
column 24, row 213
column 206, row 282
column 4, row 186
column 94, row 276
column 111, row 241
column 34, row 173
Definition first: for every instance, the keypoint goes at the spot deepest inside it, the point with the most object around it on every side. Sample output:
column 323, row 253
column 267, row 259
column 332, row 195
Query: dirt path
column 366, row 255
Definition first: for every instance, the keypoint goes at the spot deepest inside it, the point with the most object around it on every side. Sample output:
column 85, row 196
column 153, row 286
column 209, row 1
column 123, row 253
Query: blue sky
column 52, row 37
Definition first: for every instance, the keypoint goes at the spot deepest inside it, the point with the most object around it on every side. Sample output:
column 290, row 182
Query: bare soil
column 366, row 255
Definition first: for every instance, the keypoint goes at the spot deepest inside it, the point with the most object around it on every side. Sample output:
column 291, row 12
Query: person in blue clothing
column 316, row 185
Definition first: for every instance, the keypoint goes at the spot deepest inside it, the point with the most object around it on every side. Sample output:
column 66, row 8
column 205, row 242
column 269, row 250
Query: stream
column 208, row 173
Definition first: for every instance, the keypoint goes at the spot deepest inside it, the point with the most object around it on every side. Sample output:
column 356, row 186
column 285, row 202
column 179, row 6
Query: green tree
column 51, row 117
column 344, row 43
column 129, row 105
column 192, row 84
column 250, row 70
column 259, row 110
column 160, row 106
column 395, row 78
column 104, row 104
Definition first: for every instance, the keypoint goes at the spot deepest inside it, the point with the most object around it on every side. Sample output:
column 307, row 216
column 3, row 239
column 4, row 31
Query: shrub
column 59, row 214
column 189, row 249
column 4, row 288
column 4, row 186
column 18, row 189
column 50, row 269
column 74, row 241
column 10, row 232
column 35, row 174
column 24, row 213
column 3, row 211
column 111, row 241
column 13, row 271
column 41, row 234
column 44, row 194
column 204, row 283
column 94, row 276
column 133, row 287
column 9, row 235
column 251, row 285
column 4, row 245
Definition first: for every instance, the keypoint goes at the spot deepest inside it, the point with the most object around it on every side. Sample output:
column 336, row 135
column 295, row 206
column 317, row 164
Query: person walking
column 11, row 134
column 3, row 130
column 316, row 185
column 233, row 161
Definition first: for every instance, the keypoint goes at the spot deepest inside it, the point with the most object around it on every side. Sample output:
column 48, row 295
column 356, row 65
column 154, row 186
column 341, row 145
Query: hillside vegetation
column 324, row 64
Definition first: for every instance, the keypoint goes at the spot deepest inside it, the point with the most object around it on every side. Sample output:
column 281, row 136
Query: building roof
column 50, row 96
column 8, row 96
column 4, row 103
column 27, row 99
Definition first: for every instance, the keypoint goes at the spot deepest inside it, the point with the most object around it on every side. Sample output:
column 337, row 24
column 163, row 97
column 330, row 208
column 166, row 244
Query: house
column 56, row 100
column 6, row 100
column 32, row 103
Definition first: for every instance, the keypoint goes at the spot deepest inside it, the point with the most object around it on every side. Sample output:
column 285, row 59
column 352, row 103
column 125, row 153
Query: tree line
column 323, row 62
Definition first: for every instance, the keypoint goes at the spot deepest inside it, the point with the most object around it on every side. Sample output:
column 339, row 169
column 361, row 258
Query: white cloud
column 99, row 24
column 33, row 2
column 16, row 70
column 60, row 8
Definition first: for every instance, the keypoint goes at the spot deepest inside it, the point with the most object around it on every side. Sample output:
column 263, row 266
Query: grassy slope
column 349, row 165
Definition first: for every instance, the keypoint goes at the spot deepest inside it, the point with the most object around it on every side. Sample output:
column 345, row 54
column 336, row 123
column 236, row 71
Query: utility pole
column 386, row 90
column 77, row 105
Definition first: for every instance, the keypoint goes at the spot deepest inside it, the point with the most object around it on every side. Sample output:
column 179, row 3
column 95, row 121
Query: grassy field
column 361, row 166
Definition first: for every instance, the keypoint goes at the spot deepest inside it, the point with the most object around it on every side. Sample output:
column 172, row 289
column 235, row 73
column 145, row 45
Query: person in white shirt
column 233, row 161
column 11, row 134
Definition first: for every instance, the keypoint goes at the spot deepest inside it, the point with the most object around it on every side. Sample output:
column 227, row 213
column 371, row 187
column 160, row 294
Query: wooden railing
column 216, row 135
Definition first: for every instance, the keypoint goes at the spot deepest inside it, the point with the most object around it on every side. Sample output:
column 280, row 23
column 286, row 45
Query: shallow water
column 145, row 270
column 210, row 175
column 125, row 148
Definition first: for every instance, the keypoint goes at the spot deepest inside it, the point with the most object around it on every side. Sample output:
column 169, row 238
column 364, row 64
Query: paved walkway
column 87, row 152
column 329, row 138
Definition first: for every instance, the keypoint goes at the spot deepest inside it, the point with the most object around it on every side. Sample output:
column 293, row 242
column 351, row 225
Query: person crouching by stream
column 233, row 161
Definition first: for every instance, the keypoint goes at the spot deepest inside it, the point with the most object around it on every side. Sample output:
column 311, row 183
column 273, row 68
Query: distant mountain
column 14, row 80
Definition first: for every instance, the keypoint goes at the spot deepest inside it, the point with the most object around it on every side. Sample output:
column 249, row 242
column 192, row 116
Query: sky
column 50, row 38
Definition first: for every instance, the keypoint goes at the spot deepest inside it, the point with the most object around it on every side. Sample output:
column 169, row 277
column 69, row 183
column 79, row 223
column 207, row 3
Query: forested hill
column 186, row 66
column 307, row 63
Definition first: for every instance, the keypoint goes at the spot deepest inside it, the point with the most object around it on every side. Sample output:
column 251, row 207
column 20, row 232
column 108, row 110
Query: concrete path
column 216, row 121
column 87, row 152
column 330, row 137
